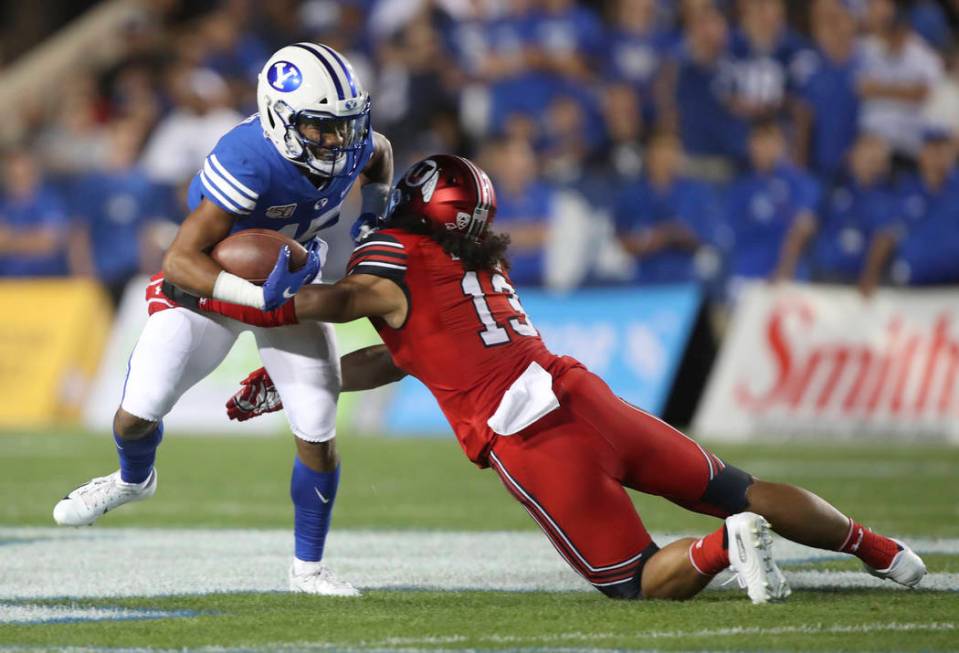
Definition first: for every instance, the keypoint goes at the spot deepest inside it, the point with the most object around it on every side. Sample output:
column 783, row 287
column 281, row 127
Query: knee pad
column 727, row 490
column 630, row 590
column 633, row 588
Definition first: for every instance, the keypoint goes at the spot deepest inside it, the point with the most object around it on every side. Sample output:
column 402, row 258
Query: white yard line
column 103, row 562
column 665, row 634
column 43, row 614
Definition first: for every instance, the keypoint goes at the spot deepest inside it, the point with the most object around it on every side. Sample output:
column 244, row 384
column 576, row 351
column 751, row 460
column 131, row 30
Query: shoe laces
column 735, row 577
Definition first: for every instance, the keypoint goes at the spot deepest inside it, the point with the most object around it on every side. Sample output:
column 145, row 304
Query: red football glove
column 156, row 300
column 257, row 396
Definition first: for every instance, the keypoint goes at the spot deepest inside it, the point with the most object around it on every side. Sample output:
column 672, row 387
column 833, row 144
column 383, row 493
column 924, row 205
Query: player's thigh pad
column 655, row 458
column 554, row 470
column 303, row 362
column 176, row 349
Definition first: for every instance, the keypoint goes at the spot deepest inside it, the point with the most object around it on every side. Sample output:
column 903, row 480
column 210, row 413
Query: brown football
column 252, row 253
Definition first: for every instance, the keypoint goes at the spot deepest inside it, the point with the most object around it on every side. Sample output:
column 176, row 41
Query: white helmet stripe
column 482, row 192
column 483, row 200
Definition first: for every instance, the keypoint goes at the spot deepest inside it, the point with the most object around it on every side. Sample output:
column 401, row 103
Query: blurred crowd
column 630, row 141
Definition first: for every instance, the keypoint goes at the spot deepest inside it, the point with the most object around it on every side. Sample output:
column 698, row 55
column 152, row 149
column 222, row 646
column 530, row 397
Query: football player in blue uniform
column 287, row 168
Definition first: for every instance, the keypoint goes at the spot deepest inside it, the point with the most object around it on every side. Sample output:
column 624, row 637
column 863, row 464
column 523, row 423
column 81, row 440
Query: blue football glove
column 283, row 283
column 364, row 225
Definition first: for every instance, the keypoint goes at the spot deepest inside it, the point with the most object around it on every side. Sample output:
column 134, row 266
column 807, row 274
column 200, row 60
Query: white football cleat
column 318, row 579
column 750, row 556
column 100, row 495
column 906, row 569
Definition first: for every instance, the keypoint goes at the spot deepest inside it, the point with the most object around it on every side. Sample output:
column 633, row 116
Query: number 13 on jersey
column 498, row 308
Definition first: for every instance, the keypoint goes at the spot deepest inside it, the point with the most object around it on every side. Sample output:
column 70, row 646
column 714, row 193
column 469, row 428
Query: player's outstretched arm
column 368, row 368
column 352, row 298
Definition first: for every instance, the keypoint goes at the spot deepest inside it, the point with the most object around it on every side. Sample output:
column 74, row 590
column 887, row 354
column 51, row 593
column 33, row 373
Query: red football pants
column 570, row 468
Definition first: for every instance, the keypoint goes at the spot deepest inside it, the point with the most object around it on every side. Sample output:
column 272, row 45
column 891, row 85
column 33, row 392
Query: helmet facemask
column 324, row 144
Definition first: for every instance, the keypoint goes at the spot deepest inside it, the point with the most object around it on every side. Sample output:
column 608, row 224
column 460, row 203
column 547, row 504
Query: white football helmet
column 314, row 109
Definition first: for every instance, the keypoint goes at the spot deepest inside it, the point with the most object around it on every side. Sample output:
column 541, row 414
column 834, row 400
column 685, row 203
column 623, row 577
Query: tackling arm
column 352, row 298
column 357, row 296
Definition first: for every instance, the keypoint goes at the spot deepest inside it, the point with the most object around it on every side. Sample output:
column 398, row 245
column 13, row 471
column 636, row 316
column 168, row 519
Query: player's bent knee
column 727, row 490
column 130, row 426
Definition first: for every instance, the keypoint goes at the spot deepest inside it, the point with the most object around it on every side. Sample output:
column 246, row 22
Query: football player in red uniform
column 434, row 282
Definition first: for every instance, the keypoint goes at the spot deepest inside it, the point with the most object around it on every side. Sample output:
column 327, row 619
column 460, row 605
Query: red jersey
column 466, row 336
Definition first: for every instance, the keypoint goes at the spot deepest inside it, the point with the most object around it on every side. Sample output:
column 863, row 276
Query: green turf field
column 399, row 495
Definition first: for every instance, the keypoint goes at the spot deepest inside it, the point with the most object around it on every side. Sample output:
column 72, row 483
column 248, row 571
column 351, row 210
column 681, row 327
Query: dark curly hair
column 486, row 252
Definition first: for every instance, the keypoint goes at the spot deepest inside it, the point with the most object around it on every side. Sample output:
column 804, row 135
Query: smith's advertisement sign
column 824, row 361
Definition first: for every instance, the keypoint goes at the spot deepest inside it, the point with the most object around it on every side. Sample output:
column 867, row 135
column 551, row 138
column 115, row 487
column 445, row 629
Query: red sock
column 710, row 555
column 875, row 550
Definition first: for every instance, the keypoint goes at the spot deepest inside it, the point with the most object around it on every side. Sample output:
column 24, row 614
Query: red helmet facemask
column 448, row 193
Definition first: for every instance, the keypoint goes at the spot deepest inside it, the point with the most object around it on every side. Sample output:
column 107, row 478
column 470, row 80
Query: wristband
column 236, row 290
column 375, row 199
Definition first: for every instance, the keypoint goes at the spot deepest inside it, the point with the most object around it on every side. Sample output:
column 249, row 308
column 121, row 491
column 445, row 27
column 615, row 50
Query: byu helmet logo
column 284, row 76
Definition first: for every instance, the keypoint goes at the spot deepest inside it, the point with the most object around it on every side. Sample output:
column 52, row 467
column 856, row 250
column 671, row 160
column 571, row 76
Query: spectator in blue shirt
column 33, row 225
column 762, row 50
column 827, row 111
column 711, row 134
column 857, row 206
column 524, row 208
column 634, row 50
column 764, row 206
column 496, row 54
column 666, row 221
column 113, row 207
column 234, row 53
column 922, row 246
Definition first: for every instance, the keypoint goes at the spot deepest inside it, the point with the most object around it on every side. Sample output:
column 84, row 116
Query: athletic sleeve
column 233, row 176
column 381, row 255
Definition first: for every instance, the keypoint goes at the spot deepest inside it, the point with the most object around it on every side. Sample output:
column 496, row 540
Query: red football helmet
column 446, row 192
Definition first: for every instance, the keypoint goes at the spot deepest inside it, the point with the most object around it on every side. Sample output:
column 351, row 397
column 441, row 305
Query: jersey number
column 322, row 221
column 495, row 333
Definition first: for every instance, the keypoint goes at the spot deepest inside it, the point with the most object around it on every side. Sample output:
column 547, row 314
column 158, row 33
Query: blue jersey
column 762, row 78
column 849, row 217
column 760, row 210
column 929, row 244
column 707, row 126
column 246, row 176
column 115, row 206
column 642, row 206
column 42, row 210
column 533, row 206
column 828, row 87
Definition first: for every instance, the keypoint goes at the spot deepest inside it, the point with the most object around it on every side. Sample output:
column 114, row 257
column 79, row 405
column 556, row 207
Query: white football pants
column 179, row 347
